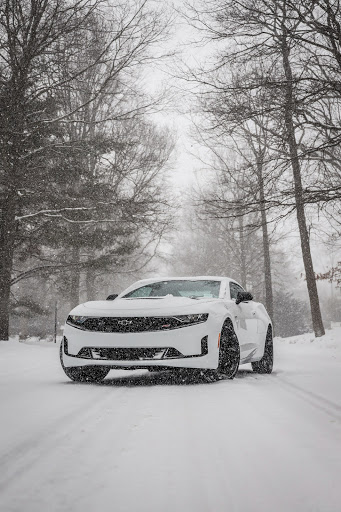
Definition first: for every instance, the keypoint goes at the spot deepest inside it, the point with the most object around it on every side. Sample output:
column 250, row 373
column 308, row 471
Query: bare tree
column 37, row 37
column 265, row 30
column 236, row 129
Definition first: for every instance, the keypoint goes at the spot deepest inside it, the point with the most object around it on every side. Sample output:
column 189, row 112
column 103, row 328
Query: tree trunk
column 13, row 128
column 242, row 252
column 90, row 284
column 7, row 241
column 75, row 278
column 299, row 200
column 266, row 245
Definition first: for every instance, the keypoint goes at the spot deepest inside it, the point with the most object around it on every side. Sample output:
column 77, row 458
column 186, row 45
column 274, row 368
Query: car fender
column 229, row 316
column 220, row 313
column 263, row 316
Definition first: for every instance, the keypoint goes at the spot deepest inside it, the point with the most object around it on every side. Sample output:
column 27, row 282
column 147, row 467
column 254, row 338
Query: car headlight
column 76, row 321
column 192, row 319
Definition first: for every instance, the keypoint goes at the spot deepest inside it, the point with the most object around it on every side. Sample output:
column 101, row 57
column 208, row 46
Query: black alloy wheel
column 78, row 374
column 265, row 365
column 229, row 353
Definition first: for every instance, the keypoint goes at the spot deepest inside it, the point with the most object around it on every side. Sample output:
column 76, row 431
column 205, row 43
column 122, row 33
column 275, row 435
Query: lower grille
column 135, row 354
column 130, row 354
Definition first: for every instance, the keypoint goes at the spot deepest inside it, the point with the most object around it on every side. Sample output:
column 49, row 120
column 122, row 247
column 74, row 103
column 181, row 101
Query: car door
column 246, row 322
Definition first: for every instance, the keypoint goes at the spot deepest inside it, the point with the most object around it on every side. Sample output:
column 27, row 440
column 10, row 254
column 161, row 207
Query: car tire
column 79, row 374
column 265, row 365
column 229, row 351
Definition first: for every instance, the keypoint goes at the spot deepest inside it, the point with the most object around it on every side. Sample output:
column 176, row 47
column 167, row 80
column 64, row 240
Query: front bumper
column 188, row 347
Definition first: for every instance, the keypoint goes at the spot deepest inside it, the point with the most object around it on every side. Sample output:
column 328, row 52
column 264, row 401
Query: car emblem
column 125, row 322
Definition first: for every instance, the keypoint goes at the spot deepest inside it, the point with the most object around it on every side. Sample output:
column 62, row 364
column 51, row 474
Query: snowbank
column 331, row 340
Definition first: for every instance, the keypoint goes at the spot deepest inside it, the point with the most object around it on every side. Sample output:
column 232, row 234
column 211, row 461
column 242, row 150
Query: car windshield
column 178, row 288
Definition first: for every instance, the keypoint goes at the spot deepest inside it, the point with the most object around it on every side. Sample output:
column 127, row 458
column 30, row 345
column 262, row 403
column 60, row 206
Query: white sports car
column 207, row 323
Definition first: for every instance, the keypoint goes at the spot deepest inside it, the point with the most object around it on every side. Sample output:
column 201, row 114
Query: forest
column 92, row 190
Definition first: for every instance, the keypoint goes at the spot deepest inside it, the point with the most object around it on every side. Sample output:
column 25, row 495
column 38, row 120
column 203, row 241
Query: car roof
column 223, row 279
column 182, row 278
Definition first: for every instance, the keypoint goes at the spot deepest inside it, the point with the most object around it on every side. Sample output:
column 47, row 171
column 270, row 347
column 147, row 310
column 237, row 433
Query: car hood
column 129, row 307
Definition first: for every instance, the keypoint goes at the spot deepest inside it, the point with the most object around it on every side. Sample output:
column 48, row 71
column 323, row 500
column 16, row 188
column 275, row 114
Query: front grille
column 131, row 324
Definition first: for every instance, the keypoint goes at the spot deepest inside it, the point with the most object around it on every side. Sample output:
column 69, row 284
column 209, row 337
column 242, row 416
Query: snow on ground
column 142, row 442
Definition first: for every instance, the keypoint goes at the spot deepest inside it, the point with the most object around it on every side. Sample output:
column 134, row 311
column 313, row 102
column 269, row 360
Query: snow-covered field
column 139, row 442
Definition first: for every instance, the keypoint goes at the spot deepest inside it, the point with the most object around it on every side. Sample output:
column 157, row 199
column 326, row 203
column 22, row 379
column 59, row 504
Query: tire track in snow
column 22, row 456
column 71, row 467
column 319, row 402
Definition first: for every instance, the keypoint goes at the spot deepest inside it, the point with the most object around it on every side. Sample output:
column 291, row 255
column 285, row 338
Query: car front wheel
column 229, row 351
column 79, row 374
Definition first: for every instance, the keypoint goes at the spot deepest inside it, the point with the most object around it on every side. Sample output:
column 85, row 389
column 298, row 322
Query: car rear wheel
column 89, row 374
column 229, row 352
column 265, row 365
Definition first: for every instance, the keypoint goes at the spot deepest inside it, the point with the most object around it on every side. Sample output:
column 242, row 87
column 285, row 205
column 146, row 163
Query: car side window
column 234, row 289
column 144, row 291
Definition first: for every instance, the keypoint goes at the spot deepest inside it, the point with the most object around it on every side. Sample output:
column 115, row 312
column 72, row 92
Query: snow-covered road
column 138, row 442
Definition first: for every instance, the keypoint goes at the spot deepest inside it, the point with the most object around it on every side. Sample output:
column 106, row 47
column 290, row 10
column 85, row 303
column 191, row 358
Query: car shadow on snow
column 170, row 378
column 162, row 378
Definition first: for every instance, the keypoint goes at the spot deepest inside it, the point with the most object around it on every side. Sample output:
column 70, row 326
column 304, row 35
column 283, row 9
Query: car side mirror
column 112, row 297
column 243, row 297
